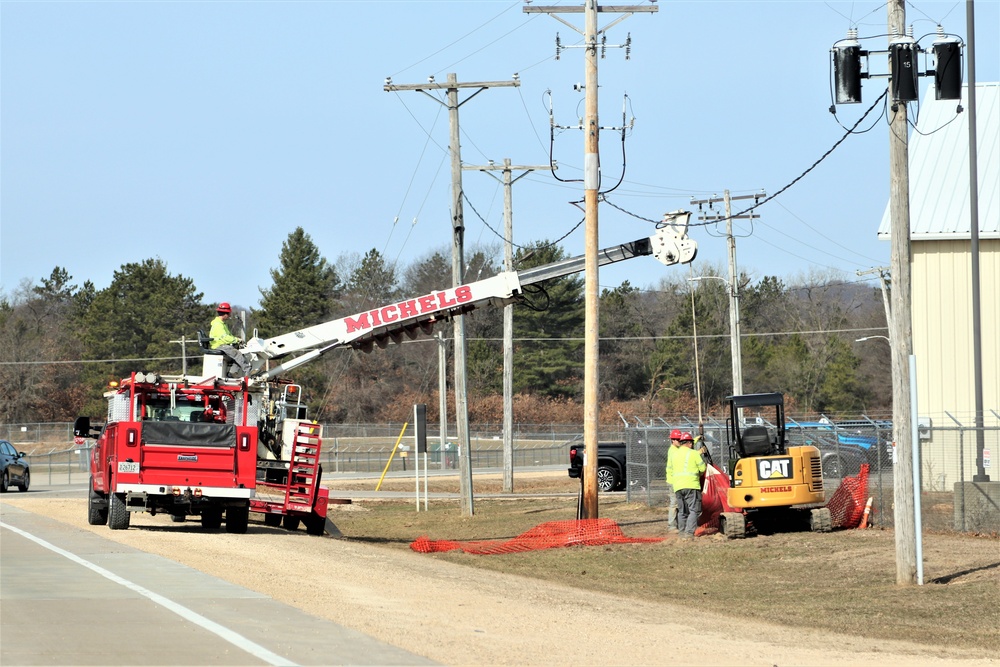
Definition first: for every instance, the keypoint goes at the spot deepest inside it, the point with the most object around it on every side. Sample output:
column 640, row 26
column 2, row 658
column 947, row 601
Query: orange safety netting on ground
column 586, row 532
column 847, row 506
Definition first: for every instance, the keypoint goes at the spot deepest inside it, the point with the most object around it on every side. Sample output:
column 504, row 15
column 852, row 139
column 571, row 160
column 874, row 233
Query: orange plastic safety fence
column 847, row 506
column 585, row 532
column 714, row 501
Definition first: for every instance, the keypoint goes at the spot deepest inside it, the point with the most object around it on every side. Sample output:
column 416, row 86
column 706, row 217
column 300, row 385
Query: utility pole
column 442, row 346
column 900, row 328
column 977, row 327
column 184, row 356
column 591, row 184
column 734, row 276
column 508, row 312
column 881, row 271
column 457, row 260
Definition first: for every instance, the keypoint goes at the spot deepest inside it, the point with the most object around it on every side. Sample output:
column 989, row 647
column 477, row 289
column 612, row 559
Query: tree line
column 64, row 342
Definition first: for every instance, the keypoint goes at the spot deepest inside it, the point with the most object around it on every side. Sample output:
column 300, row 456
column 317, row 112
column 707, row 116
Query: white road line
column 223, row 632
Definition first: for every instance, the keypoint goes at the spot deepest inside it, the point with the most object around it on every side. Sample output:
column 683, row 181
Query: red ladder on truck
column 303, row 473
column 304, row 498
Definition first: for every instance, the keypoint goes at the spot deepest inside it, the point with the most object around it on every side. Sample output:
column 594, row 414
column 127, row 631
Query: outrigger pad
column 331, row 529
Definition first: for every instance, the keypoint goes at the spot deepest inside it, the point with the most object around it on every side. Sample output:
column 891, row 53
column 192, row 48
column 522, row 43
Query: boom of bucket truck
column 411, row 317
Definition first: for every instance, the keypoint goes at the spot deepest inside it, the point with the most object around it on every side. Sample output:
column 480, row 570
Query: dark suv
column 14, row 466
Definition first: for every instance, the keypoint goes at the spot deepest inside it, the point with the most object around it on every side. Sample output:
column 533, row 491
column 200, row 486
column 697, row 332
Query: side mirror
column 81, row 427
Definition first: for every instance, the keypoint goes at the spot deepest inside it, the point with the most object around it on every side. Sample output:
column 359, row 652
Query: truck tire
column 97, row 509
column 211, row 518
column 290, row 522
column 315, row 524
column 118, row 514
column 733, row 525
column 178, row 518
column 607, row 478
column 272, row 520
column 820, row 520
column 237, row 518
column 25, row 483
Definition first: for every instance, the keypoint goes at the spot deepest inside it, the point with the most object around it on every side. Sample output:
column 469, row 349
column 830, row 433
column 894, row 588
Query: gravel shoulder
column 459, row 615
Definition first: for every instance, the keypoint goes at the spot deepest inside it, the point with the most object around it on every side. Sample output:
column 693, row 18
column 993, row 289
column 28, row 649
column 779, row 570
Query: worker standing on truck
column 675, row 445
column 223, row 339
column 688, row 468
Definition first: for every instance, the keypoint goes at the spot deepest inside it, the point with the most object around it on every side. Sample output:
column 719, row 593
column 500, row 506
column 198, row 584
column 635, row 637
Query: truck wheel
column 4, row 482
column 607, row 478
column 315, row 524
column 178, row 518
column 211, row 518
column 23, row 486
column 820, row 520
column 290, row 522
column 733, row 525
column 118, row 515
column 272, row 520
column 96, row 514
column 237, row 519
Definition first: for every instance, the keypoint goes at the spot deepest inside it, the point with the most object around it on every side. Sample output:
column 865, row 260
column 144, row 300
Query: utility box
column 977, row 507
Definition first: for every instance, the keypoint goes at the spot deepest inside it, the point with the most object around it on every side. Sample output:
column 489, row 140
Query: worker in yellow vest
column 687, row 469
column 223, row 339
column 675, row 444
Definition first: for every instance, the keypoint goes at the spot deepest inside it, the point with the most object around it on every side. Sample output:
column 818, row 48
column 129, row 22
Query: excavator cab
column 759, row 434
column 771, row 485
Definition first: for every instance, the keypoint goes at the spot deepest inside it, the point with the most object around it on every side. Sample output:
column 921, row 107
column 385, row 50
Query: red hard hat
column 686, row 437
column 224, row 308
column 675, row 434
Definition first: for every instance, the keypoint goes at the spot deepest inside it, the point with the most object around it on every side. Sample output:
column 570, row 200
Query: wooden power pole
column 900, row 328
column 452, row 87
column 734, row 277
column 508, row 311
column 591, row 183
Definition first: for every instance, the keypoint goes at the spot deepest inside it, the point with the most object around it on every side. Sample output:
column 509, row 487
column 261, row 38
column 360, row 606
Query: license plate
column 128, row 466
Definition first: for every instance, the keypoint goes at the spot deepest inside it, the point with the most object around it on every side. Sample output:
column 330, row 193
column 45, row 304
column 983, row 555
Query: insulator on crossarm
column 947, row 67
column 847, row 68
column 558, row 46
column 628, row 47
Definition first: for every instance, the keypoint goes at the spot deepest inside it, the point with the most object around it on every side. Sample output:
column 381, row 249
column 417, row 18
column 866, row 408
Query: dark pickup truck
column 610, row 464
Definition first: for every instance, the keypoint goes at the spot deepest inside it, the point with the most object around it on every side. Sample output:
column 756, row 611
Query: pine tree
column 373, row 282
column 548, row 330
column 304, row 288
column 135, row 319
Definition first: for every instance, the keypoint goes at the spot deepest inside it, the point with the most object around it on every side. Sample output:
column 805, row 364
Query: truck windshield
column 185, row 409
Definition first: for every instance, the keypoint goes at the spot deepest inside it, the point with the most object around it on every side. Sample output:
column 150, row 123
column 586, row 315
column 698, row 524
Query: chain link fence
column 55, row 456
column 951, row 496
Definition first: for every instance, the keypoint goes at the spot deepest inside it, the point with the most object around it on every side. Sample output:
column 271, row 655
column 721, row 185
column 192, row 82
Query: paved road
column 70, row 597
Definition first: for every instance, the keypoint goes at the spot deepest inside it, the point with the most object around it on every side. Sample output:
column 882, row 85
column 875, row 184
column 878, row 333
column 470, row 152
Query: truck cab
column 174, row 446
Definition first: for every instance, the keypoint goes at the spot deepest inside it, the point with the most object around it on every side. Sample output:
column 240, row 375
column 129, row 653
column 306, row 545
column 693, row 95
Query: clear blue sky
column 203, row 133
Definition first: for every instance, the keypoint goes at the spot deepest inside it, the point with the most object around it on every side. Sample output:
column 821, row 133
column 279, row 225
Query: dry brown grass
column 842, row 582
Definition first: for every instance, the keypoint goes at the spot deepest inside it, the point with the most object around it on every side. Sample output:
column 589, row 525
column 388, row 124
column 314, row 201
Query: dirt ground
column 460, row 615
